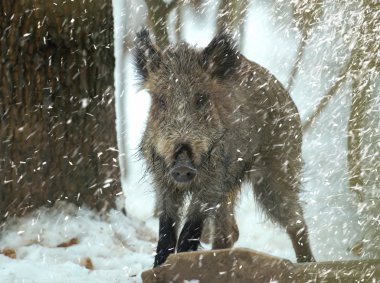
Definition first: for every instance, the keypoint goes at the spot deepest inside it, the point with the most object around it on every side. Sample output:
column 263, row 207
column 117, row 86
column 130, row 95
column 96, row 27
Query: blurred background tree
column 57, row 127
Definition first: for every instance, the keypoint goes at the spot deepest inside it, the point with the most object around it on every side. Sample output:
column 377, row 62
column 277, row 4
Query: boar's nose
column 183, row 170
column 183, row 173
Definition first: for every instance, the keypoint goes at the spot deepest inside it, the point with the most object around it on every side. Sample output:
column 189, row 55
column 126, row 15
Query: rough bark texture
column 57, row 116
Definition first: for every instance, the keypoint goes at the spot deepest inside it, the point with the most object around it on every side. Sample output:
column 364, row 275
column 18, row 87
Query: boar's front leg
column 168, row 206
column 189, row 239
column 202, row 206
column 167, row 239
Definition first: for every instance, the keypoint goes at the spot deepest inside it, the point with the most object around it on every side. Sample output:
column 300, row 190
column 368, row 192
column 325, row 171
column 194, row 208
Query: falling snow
column 338, row 71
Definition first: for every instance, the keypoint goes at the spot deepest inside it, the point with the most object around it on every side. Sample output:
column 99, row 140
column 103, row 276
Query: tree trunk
column 57, row 131
column 158, row 13
column 231, row 16
column 364, row 73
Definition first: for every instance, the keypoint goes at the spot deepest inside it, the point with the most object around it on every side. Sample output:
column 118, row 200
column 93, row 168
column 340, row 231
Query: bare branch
column 330, row 94
column 297, row 63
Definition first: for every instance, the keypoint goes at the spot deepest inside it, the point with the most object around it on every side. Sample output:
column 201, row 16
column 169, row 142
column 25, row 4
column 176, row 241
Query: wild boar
column 217, row 120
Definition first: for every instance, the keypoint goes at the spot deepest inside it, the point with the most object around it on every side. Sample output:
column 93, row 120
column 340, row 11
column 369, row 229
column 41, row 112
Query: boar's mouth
column 183, row 170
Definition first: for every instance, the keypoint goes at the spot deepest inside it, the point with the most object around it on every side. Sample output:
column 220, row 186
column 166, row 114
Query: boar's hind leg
column 168, row 207
column 279, row 198
column 226, row 231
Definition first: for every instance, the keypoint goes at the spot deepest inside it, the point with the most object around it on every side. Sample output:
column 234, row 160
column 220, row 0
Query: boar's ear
column 147, row 55
column 221, row 55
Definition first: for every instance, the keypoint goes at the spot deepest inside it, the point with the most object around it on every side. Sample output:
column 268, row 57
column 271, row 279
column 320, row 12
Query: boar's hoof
column 183, row 174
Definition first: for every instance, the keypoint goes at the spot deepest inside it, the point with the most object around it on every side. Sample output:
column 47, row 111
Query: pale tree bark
column 231, row 16
column 365, row 71
column 57, row 130
column 158, row 13
column 363, row 164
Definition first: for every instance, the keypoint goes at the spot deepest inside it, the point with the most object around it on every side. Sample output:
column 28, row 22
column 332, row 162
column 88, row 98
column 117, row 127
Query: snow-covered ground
column 113, row 249
column 117, row 248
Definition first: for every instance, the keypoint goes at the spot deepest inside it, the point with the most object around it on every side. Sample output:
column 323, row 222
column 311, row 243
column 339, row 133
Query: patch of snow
column 119, row 247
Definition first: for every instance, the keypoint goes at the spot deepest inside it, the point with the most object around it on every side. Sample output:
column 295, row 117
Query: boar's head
column 188, row 115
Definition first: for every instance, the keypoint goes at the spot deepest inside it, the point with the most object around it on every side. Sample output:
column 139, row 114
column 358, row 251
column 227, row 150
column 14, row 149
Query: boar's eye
column 161, row 102
column 201, row 99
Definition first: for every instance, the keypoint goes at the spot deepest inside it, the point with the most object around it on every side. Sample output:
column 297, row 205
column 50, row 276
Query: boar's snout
column 183, row 173
column 183, row 169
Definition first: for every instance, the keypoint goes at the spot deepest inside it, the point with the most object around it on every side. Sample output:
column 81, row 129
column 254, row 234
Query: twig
column 327, row 97
column 297, row 63
column 306, row 14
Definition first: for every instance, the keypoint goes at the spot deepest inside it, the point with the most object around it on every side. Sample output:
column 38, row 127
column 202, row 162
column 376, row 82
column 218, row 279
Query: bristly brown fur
column 221, row 55
column 145, row 54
